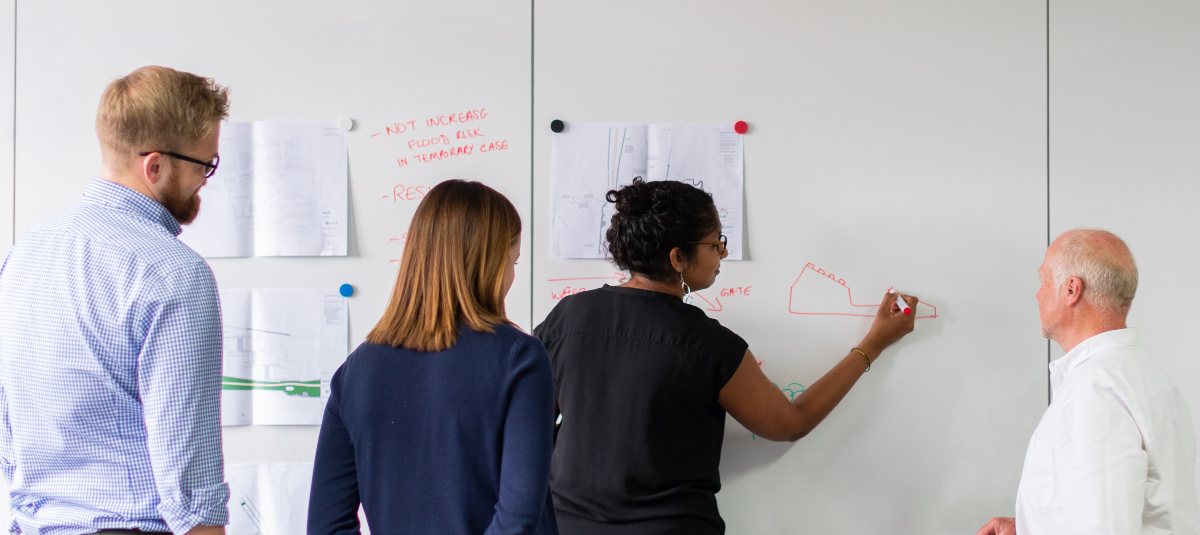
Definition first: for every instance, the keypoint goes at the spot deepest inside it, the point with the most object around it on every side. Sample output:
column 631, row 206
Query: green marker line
column 308, row 389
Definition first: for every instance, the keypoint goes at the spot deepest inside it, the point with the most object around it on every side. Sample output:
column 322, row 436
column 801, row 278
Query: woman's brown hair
column 452, row 271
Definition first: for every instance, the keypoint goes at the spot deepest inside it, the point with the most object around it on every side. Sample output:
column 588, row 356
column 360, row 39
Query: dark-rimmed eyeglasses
column 210, row 167
column 722, row 243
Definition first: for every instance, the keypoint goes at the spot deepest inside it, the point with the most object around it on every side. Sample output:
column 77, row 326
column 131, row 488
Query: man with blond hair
column 110, row 332
column 1115, row 451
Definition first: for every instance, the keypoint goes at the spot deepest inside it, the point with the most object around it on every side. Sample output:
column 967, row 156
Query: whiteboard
column 890, row 145
column 8, row 28
column 858, row 111
column 379, row 63
column 1124, row 139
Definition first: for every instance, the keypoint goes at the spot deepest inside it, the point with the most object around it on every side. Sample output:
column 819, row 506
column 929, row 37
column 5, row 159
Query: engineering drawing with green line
column 281, row 347
column 291, row 388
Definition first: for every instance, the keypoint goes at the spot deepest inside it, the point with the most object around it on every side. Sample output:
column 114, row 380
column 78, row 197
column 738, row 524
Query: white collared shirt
column 1115, row 452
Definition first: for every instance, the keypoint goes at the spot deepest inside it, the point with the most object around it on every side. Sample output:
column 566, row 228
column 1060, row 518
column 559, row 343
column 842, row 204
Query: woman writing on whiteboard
column 442, row 421
column 644, row 380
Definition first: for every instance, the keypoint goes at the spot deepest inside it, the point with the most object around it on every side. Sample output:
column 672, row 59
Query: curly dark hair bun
column 654, row 217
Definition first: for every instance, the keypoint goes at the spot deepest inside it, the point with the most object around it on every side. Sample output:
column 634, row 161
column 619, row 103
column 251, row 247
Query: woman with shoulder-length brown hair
column 442, row 421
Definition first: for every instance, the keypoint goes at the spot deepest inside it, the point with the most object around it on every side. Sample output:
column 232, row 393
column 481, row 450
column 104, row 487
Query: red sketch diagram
column 817, row 292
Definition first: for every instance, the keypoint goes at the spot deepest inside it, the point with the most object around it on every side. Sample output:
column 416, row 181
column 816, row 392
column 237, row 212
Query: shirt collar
column 1060, row 368
column 112, row 195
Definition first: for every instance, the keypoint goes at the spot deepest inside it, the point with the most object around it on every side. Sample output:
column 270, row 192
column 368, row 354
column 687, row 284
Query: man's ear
column 1073, row 290
column 152, row 168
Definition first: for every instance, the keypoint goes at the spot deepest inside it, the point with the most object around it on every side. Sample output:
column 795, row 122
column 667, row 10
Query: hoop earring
column 687, row 290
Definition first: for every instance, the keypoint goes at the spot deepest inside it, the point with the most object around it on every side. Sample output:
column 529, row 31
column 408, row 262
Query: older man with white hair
column 1115, row 451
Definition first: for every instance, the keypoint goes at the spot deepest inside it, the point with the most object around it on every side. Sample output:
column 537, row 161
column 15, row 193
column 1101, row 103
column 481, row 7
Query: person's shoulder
column 54, row 225
column 512, row 335
column 149, row 253
column 162, row 257
column 369, row 351
column 363, row 352
column 706, row 324
column 146, row 242
column 565, row 309
column 577, row 310
column 170, row 254
column 607, row 299
column 1124, row 375
column 571, row 300
column 40, row 233
column 182, row 275
column 1101, row 371
column 520, row 345
column 368, row 359
column 1126, row 369
column 358, row 364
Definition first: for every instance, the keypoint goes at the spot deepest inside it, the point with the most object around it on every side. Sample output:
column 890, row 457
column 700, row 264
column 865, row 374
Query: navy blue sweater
column 457, row 441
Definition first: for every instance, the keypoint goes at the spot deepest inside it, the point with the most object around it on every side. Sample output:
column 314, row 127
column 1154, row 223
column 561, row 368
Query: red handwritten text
column 421, row 143
column 567, row 290
column 402, row 192
column 468, row 133
column 740, row 290
column 457, row 118
column 434, row 146
column 494, row 146
column 400, row 128
column 462, row 150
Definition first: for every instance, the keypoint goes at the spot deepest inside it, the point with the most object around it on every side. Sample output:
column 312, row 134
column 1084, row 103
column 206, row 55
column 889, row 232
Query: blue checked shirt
column 110, row 373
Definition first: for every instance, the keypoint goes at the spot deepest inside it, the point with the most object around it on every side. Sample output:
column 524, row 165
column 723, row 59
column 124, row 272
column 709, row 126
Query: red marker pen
column 902, row 304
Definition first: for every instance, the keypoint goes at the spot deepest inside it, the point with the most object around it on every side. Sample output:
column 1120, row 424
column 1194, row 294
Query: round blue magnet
column 346, row 290
column 557, row 126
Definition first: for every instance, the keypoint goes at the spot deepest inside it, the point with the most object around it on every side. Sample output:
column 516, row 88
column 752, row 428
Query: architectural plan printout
column 280, row 190
column 588, row 160
column 281, row 349
column 268, row 498
column 271, row 499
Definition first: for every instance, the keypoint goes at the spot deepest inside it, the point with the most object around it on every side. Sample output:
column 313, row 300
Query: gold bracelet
column 864, row 354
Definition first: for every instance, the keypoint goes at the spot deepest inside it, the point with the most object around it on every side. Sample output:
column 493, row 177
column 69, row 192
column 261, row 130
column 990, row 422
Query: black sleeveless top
column 637, row 374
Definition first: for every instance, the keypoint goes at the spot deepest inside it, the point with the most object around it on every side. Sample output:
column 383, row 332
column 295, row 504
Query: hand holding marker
column 901, row 303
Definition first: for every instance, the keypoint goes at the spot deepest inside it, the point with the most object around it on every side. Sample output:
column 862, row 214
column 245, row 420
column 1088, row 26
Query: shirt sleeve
column 6, row 466
column 730, row 350
column 333, row 498
column 528, row 432
column 179, row 380
column 544, row 330
column 1099, row 463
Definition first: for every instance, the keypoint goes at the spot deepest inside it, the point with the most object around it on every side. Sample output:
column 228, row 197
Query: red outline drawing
column 852, row 309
